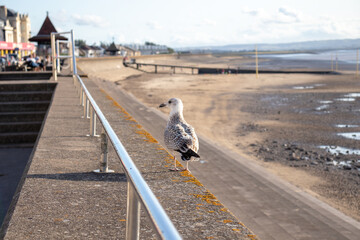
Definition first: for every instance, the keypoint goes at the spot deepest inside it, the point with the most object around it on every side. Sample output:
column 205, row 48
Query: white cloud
column 277, row 25
column 283, row 15
column 120, row 38
column 289, row 13
column 258, row 13
column 330, row 28
column 153, row 25
column 201, row 24
column 60, row 29
column 285, row 24
column 60, row 15
column 61, row 20
column 209, row 22
column 197, row 38
column 252, row 12
column 305, row 28
column 90, row 20
column 139, row 41
column 117, row 37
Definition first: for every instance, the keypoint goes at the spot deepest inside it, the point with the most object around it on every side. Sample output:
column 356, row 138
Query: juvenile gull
column 180, row 136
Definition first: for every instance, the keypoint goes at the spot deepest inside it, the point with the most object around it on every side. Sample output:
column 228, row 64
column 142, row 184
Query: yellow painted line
column 208, row 197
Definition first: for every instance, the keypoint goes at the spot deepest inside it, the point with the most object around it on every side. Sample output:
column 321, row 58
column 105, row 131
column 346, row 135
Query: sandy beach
column 284, row 122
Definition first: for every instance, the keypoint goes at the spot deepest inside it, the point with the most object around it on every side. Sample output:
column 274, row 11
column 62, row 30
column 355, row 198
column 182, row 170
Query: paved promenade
column 62, row 199
column 271, row 207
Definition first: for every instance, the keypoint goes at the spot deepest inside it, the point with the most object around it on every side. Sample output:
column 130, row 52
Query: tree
column 150, row 44
column 80, row 43
column 104, row 45
column 170, row 50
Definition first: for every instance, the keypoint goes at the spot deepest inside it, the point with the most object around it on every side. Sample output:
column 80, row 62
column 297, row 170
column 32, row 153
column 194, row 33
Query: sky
column 189, row 23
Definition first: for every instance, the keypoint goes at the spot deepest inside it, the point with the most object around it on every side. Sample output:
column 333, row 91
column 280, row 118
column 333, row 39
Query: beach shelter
column 113, row 49
column 43, row 37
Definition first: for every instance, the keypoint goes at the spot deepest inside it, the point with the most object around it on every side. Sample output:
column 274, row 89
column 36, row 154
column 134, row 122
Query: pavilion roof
column 45, row 31
column 112, row 48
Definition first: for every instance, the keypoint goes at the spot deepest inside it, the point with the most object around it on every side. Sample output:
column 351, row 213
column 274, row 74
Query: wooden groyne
column 207, row 70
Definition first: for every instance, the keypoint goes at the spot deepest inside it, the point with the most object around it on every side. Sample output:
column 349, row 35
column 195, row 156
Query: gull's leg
column 175, row 168
column 187, row 167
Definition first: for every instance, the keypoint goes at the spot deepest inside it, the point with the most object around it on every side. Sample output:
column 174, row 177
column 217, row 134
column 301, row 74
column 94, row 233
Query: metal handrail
column 149, row 200
column 138, row 189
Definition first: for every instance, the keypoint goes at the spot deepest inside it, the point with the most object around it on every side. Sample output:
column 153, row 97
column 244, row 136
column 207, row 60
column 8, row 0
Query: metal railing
column 138, row 191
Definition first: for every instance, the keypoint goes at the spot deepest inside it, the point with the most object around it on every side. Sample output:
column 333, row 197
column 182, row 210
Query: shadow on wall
column 87, row 176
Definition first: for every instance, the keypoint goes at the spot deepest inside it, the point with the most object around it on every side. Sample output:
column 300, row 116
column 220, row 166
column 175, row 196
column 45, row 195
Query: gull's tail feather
column 186, row 156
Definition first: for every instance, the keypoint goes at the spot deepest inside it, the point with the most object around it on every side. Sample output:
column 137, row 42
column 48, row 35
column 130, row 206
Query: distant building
column 15, row 31
column 89, row 51
column 98, row 51
column 86, row 51
column 112, row 50
column 43, row 37
column 149, row 49
column 15, row 27
column 115, row 49
column 127, row 51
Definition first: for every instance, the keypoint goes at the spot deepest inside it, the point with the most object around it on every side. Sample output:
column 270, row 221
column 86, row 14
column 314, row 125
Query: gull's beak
column 162, row 105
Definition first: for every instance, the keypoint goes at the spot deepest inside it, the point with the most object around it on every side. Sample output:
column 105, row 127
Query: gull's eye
column 169, row 101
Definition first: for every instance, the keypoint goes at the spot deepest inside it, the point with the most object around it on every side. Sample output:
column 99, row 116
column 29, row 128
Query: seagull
column 180, row 136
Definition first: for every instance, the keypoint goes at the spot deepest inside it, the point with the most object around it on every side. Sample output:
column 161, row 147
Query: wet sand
column 278, row 120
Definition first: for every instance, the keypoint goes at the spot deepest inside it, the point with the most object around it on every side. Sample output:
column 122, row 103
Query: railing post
column 132, row 214
column 85, row 105
column 74, row 79
column 52, row 36
column 78, row 86
column 81, row 96
column 73, row 53
column 71, row 59
column 58, row 55
column 256, row 62
column 87, row 108
column 93, row 122
column 104, row 168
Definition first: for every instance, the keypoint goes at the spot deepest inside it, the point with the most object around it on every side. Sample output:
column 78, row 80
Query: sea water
column 348, row 56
